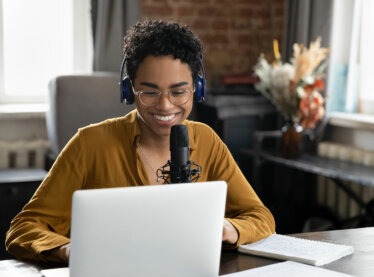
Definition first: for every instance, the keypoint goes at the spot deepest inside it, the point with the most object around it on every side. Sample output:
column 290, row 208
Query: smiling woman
column 39, row 40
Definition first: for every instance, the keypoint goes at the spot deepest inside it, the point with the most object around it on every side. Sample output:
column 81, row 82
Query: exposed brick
column 215, row 38
column 245, row 12
column 157, row 10
column 185, row 11
column 244, row 39
column 234, row 32
column 213, row 11
column 220, row 24
column 199, row 23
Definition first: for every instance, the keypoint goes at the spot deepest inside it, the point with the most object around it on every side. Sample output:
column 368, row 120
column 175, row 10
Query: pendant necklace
column 148, row 163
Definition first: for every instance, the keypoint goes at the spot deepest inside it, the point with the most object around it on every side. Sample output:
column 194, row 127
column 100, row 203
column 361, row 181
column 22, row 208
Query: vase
column 291, row 141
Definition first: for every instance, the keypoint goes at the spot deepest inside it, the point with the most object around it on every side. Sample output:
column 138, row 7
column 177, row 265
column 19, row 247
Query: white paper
column 289, row 269
column 14, row 268
column 56, row 272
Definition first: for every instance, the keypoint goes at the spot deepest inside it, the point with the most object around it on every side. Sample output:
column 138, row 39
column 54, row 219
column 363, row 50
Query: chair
column 79, row 100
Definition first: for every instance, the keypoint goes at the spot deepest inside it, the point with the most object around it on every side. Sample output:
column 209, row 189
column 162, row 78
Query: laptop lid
column 162, row 230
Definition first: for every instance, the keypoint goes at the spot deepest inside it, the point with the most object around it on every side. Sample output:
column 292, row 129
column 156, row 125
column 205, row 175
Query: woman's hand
column 230, row 235
column 59, row 254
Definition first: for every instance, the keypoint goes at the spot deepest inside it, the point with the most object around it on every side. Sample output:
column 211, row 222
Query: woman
column 162, row 61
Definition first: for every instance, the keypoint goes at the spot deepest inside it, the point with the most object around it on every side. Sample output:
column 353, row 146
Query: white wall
column 22, row 127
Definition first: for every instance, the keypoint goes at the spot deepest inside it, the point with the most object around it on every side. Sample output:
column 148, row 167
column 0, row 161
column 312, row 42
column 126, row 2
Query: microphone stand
column 191, row 171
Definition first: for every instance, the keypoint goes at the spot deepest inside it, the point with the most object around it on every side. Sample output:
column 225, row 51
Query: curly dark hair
column 161, row 38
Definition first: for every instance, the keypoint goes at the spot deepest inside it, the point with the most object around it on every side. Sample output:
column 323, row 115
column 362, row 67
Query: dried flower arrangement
column 295, row 88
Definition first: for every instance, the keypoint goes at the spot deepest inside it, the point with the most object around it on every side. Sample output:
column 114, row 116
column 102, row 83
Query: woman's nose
column 164, row 101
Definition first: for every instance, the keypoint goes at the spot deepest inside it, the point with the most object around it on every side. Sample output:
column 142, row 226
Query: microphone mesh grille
column 179, row 136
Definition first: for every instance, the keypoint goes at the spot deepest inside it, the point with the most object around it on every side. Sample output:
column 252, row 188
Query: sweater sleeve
column 44, row 222
column 244, row 209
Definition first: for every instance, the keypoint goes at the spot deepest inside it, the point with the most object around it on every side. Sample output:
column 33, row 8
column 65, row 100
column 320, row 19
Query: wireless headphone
column 127, row 92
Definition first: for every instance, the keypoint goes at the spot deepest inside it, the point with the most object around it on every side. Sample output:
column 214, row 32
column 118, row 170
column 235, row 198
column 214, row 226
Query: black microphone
column 180, row 165
column 179, row 169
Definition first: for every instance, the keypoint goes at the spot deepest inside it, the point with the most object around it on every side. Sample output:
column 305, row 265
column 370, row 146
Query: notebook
column 289, row 269
column 306, row 251
column 162, row 230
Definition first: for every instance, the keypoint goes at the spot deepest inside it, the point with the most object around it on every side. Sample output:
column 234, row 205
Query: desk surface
column 360, row 263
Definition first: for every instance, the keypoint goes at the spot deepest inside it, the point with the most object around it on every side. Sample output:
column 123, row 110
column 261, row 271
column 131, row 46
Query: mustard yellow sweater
column 104, row 155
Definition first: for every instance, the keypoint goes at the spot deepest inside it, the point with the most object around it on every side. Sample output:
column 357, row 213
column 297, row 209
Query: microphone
column 181, row 169
column 180, row 165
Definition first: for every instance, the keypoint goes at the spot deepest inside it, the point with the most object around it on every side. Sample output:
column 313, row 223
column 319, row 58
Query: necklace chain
column 147, row 161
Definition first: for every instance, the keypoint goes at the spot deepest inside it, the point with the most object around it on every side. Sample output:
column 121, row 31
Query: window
column 367, row 58
column 39, row 40
column 351, row 88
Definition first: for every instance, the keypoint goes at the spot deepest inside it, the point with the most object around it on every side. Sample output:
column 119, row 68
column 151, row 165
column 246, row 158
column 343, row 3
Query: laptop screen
column 162, row 230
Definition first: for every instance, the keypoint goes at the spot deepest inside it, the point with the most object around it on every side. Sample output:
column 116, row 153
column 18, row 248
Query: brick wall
column 234, row 32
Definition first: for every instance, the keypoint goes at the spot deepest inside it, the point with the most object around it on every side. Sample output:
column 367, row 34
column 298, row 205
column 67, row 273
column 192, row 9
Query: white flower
column 281, row 76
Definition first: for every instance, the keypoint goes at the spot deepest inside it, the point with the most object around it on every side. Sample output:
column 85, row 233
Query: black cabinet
column 235, row 117
column 16, row 188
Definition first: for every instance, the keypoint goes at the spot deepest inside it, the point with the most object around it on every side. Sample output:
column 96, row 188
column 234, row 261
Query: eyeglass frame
column 139, row 92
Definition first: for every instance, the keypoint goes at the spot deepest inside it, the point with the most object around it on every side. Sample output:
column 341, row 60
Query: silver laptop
column 163, row 230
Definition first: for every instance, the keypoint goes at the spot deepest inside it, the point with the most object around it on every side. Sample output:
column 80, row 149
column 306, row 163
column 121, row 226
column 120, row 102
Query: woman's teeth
column 164, row 117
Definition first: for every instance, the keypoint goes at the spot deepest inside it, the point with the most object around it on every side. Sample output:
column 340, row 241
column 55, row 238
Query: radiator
column 331, row 196
column 23, row 154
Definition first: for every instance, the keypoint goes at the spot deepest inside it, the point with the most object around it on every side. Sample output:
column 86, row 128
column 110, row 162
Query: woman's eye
column 150, row 93
column 177, row 92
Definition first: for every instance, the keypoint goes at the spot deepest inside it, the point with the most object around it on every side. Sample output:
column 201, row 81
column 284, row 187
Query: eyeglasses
column 178, row 96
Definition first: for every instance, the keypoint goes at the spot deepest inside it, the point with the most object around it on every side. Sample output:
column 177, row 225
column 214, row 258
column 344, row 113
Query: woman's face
column 162, row 73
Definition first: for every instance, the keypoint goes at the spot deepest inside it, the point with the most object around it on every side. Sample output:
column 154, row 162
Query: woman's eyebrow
column 178, row 84
column 151, row 85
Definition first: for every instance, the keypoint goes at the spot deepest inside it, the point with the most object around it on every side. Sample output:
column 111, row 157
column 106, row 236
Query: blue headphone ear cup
column 200, row 89
column 127, row 93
